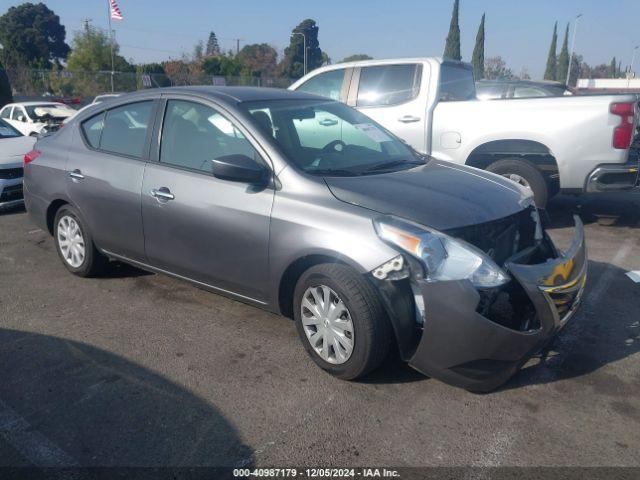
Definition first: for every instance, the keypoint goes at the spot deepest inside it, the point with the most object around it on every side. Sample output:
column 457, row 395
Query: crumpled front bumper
column 464, row 348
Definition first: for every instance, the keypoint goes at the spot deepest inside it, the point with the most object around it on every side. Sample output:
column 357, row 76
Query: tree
column 5, row 88
column 260, row 59
column 612, row 68
column 356, row 57
column 92, row 52
column 478, row 52
column 198, row 50
column 292, row 65
column 452, row 45
column 563, row 59
column 550, row 71
column 31, row 35
column 213, row 49
column 495, row 68
column 225, row 65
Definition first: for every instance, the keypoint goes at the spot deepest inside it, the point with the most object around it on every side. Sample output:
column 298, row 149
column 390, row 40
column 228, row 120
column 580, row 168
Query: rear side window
column 456, row 84
column 120, row 130
column 6, row 112
column 92, row 129
column 328, row 84
column 387, row 85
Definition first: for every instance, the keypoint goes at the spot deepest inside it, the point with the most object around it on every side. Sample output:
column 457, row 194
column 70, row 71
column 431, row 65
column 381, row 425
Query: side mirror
column 239, row 168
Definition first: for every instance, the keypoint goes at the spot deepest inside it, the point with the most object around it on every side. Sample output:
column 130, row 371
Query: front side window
column 328, row 84
column 386, row 85
column 330, row 138
column 18, row 114
column 194, row 134
column 456, row 83
column 125, row 129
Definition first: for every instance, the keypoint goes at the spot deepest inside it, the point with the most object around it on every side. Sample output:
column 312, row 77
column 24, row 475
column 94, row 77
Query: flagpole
column 110, row 42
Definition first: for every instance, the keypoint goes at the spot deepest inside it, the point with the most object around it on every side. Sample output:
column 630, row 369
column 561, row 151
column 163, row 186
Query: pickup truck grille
column 11, row 173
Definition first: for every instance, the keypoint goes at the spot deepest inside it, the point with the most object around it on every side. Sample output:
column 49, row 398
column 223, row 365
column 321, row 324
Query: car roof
column 233, row 94
column 30, row 104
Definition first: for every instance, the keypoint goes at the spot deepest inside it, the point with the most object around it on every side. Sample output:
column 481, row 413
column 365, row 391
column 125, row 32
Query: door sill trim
column 145, row 266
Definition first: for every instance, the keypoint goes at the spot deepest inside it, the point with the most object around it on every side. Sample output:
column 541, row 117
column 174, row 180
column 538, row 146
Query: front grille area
column 9, row 194
column 502, row 238
column 11, row 173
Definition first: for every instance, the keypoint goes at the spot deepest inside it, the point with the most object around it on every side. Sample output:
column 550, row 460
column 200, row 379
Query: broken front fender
column 465, row 348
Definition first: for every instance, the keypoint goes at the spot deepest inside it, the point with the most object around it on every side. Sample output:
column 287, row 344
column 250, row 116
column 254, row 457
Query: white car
column 33, row 118
column 13, row 146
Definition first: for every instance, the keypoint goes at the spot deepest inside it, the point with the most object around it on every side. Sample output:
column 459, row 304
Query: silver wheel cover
column 327, row 324
column 71, row 241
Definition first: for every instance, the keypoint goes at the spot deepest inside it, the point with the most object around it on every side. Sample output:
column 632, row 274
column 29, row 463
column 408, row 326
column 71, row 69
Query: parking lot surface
column 141, row 369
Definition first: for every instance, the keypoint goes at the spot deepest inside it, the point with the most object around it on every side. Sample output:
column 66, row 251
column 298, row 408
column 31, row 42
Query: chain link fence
column 30, row 83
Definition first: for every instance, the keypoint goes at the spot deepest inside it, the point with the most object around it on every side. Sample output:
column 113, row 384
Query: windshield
column 330, row 138
column 32, row 108
column 7, row 131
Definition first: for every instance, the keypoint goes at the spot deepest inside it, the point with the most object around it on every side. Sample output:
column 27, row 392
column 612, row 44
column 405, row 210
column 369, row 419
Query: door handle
column 409, row 119
column 162, row 193
column 76, row 174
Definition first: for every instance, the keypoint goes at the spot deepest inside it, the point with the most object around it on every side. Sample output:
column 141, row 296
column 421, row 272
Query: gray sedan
column 306, row 207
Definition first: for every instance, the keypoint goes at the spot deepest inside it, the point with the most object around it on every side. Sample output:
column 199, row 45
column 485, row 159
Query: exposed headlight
column 443, row 257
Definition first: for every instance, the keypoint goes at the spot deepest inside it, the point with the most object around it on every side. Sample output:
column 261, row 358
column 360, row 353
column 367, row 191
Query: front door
column 392, row 96
column 105, row 168
column 206, row 229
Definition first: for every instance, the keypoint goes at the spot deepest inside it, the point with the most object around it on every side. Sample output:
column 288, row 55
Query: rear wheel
column 341, row 321
column 75, row 245
column 524, row 174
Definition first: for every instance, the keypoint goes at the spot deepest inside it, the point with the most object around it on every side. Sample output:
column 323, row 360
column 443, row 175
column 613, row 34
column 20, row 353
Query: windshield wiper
column 392, row 164
column 334, row 172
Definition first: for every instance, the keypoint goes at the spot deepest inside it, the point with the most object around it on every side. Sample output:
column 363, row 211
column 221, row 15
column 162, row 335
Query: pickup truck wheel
column 525, row 174
column 340, row 321
column 75, row 245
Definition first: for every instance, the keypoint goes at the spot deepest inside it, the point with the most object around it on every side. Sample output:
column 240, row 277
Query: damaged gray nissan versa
column 306, row 207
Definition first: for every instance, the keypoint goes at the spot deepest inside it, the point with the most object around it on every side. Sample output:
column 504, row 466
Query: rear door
column 105, row 169
column 213, row 231
column 396, row 97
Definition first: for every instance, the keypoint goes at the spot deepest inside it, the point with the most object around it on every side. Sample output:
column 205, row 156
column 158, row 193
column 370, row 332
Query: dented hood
column 439, row 195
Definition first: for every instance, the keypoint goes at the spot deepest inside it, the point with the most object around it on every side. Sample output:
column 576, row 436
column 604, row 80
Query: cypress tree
column 452, row 45
column 550, row 71
column 612, row 68
column 563, row 59
column 478, row 52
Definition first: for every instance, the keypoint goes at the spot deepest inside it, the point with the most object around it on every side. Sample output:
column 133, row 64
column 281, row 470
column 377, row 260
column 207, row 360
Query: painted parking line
column 634, row 275
column 30, row 443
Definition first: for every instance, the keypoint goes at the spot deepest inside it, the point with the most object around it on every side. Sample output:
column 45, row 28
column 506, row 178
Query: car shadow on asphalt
column 605, row 330
column 615, row 209
column 68, row 404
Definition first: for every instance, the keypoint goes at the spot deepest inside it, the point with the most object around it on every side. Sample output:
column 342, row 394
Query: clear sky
column 518, row 31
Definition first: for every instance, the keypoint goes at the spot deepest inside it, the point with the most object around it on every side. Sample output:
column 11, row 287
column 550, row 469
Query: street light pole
column 573, row 44
column 633, row 60
column 304, row 45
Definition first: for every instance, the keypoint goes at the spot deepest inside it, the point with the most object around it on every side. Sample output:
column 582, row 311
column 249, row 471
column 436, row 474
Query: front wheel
column 341, row 321
column 526, row 175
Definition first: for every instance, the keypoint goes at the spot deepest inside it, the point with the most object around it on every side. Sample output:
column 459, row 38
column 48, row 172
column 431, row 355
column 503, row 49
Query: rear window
column 120, row 130
column 7, row 131
column 456, row 84
column 386, row 85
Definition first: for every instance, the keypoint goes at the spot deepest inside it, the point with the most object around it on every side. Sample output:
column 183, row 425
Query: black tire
column 94, row 263
column 529, row 173
column 371, row 329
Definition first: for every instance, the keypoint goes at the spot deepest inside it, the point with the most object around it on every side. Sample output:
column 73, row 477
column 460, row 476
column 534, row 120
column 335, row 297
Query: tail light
column 31, row 156
column 623, row 133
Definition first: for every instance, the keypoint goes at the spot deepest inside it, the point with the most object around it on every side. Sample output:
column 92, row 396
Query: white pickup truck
column 572, row 143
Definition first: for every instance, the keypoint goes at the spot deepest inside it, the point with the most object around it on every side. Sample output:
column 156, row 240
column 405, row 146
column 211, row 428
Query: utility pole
column 573, row 44
column 304, row 46
column 86, row 22
column 238, row 40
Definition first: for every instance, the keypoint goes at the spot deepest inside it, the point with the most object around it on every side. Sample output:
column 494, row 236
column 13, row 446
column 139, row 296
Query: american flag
column 116, row 14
